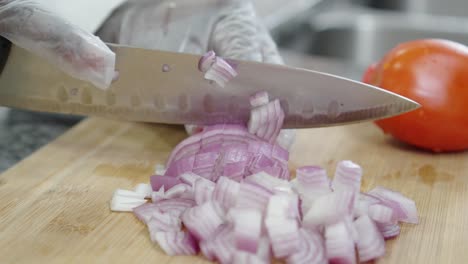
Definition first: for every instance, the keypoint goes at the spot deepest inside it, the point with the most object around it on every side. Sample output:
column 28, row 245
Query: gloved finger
column 73, row 50
column 268, row 47
column 177, row 25
column 235, row 35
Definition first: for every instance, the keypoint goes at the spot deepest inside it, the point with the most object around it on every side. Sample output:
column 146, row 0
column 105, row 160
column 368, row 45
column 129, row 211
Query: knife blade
column 167, row 87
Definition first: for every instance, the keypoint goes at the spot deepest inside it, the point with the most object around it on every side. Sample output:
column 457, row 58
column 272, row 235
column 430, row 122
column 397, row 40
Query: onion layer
column 176, row 243
column 370, row 244
column 216, row 69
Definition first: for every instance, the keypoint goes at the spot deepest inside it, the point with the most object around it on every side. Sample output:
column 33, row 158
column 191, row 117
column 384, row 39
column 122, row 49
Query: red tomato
column 433, row 73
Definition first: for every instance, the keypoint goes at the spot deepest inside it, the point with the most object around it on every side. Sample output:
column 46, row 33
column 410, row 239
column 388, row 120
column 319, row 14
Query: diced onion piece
column 158, row 195
column 128, row 194
column 158, row 181
column 371, row 244
column 176, row 243
column 312, row 181
column 125, row 201
column 279, row 121
column 161, row 222
column 286, row 138
column 313, row 177
column 226, row 192
column 208, row 249
column 145, row 211
column 278, row 170
column 242, row 257
column 255, row 120
column 269, row 117
column 247, row 228
column 180, row 166
column 280, row 153
column 220, row 246
column 180, row 190
column 363, row 202
column 175, row 206
column 269, row 182
column 283, row 206
column 234, row 153
column 220, row 72
column 203, row 190
column 203, row 220
column 306, row 203
column 159, row 169
column 206, row 61
column 329, row 208
column 259, row 99
column 389, row 230
column 347, row 175
column 144, row 189
column 273, row 151
column 284, row 236
column 266, row 121
column 339, row 244
column 253, row 195
column 235, row 170
column 264, row 250
column 348, row 222
column 381, row 213
column 193, row 129
column 205, row 162
column 311, row 249
column 189, row 178
column 403, row 207
column 187, row 147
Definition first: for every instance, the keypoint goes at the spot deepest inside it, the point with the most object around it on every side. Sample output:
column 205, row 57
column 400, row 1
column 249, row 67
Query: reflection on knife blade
column 146, row 92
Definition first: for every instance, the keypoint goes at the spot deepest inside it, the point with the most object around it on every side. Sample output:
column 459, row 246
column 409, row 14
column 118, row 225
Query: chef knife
column 167, row 87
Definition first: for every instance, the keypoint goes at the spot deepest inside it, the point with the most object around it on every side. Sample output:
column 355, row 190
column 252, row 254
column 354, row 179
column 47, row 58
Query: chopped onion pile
column 258, row 218
column 216, row 69
column 226, row 192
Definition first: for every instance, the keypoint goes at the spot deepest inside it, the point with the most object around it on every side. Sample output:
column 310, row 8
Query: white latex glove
column 229, row 27
column 76, row 52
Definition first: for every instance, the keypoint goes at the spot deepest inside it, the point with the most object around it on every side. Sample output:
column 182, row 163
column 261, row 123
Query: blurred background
column 360, row 32
column 336, row 36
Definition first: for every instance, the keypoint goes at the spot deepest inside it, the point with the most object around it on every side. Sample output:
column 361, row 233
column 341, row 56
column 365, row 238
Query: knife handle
column 5, row 46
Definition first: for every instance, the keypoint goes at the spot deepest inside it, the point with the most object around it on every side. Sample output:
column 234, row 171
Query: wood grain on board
column 55, row 204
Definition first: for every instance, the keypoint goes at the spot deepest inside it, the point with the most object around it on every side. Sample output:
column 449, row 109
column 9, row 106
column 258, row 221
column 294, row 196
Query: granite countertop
column 23, row 132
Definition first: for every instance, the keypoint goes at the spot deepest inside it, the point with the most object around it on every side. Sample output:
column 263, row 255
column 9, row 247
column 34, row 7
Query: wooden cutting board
column 55, row 204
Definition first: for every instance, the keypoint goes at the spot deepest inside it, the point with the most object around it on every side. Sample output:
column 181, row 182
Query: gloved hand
column 229, row 27
column 49, row 36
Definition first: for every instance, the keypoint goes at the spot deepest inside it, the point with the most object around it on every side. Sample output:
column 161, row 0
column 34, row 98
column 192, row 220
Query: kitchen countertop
column 23, row 132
